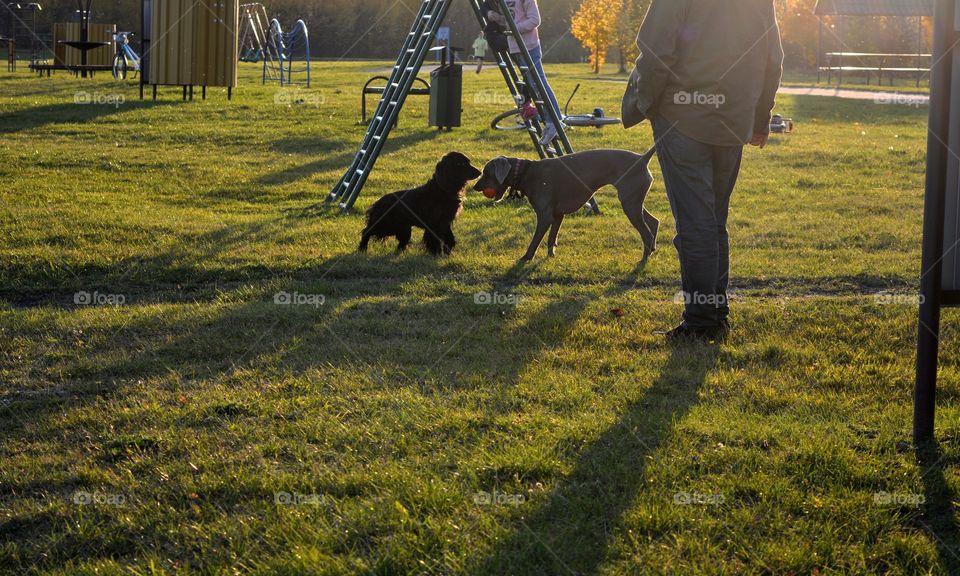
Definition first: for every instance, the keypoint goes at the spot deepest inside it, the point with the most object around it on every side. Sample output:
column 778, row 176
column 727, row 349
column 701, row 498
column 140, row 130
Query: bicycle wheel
column 509, row 120
column 588, row 120
column 120, row 67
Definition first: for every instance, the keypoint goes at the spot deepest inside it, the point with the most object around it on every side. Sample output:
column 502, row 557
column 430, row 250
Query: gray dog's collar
column 517, row 172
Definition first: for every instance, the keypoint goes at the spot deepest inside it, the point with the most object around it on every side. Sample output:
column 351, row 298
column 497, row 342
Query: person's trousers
column 700, row 179
column 537, row 56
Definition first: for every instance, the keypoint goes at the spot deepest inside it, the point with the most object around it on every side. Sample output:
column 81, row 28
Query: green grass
column 186, row 410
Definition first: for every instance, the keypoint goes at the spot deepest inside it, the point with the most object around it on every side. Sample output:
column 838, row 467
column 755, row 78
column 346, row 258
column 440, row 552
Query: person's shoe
column 726, row 327
column 529, row 110
column 549, row 134
column 685, row 333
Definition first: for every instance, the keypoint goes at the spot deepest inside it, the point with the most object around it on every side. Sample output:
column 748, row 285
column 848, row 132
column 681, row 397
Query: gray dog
column 560, row 186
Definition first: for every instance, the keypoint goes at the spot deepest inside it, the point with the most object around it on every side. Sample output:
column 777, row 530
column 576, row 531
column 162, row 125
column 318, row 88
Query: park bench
column 882, row 64
column 41, row 68
column 369, row 89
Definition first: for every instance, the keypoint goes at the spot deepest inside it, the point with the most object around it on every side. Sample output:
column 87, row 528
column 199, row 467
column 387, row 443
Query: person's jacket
column 712, row 68
column 526, row 14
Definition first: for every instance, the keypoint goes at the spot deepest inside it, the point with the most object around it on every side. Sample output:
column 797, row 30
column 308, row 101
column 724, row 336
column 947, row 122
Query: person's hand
column 496, row 18
column 760, row 140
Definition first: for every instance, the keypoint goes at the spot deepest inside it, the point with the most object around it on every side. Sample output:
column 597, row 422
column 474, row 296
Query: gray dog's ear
column 501, row 168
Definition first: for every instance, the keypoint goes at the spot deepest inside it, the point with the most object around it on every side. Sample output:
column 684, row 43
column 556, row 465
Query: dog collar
column 519, row 170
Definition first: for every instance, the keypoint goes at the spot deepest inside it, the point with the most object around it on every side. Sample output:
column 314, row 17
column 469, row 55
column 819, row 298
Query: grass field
column 185, row 423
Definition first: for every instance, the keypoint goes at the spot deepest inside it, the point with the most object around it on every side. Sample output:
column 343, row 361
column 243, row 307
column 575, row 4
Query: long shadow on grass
column 939, row 513
column 342, row 160
column 432, row 341
column 571, row 532
column 367, row 323
column 67, row 113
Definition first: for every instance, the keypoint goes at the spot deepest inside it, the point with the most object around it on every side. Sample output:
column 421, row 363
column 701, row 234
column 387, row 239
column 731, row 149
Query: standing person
column 480, row 46
column 709, row 72
column 526, row 15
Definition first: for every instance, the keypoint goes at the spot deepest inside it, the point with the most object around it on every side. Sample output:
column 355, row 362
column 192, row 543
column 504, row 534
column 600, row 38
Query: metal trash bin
column 446, row 94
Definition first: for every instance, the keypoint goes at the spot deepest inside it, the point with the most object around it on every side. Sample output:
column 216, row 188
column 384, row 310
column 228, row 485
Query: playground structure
column 262, row 39
column 99, row 41
column 254, row 43
column 189, row 43
column 82, row 48
column 18, row 26
column 289, row 44
column 887, row 65
column 520, row 77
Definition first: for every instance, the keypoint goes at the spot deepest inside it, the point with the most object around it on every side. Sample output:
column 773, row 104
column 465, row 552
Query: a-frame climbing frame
column 517, row 74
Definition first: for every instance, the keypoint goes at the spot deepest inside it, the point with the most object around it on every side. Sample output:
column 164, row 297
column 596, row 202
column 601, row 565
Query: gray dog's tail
column 649, row 155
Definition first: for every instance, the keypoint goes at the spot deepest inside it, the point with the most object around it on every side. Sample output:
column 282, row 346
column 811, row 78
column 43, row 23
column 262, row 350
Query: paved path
column 902, row 98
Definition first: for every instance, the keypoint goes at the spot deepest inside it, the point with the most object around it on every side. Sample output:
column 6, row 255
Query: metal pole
column 928, row 339
column 842, row 47
column 819, row 48
column 919, row 48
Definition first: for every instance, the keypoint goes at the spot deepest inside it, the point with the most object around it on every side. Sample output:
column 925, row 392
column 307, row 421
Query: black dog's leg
column 404, row 238
column 364, row 241
column 449, row 241
column 433, row 243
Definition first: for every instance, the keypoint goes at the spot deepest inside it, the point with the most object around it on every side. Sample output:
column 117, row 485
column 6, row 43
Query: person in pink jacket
column 526, row 15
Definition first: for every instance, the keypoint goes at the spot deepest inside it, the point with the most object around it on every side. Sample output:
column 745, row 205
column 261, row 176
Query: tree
column 628, row 24
column 594, row 25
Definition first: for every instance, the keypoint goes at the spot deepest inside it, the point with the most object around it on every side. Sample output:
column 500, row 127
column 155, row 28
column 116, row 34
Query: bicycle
column 513, row 119
column 125, row 58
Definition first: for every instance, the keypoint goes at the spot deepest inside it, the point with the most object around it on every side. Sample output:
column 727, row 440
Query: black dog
column 433, row 207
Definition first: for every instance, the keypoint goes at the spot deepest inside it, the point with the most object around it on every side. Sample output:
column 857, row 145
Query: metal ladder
column 415, row 49
column 518, row 75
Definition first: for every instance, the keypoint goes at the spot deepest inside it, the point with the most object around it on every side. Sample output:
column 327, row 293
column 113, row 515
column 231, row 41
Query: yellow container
column 70, row 32
column 194, row 43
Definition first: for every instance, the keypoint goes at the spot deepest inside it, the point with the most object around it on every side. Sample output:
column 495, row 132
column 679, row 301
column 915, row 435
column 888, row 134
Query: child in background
column 480, row 46
column 526, row 15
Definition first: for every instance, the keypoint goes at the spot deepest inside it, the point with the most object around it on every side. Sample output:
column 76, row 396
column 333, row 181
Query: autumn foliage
column 594, row 25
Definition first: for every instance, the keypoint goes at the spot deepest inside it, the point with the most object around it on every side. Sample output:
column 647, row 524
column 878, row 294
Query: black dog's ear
column 443, row 163
column 500, row 168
